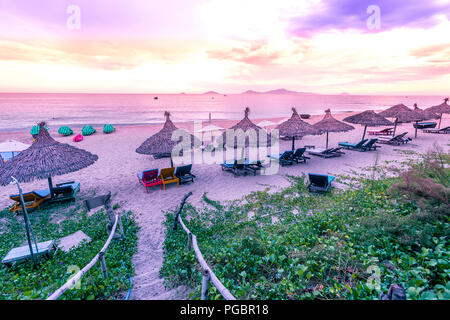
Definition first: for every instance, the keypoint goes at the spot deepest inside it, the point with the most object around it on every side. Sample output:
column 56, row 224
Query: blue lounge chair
column 397, row 140
column 351, row 146
column 327, row 153
column 66, row 191
column 284, row 158
column 184, row 174
column 425, row 125
column 32, row 200
column 298, row 156
column 319, row 182
column 369, row 146
column 236, row 167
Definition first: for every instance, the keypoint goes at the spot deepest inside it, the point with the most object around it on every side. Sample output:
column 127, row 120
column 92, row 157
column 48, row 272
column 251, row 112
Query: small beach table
column 23, row 253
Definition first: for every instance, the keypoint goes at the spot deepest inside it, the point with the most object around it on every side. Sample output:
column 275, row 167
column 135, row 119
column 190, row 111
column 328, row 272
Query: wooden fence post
column 205, row 284
column 101, row 256
column 122, row 235
column 189, row 241
column 175, row 222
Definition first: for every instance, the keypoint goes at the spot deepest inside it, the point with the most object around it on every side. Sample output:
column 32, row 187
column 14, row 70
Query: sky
column 229, row 46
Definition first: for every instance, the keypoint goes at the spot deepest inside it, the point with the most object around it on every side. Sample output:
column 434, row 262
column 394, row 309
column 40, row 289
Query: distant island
column 277, row 91
column 211, row 92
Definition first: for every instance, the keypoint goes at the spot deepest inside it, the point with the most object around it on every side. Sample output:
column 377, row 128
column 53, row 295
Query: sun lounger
column 236, row 167
column 254, row 167
column 298, row 156
column 369, row 146
column 397, row 140
column 327, row 153
column 20, row 254
column 66, row 191
column 425, row 125
column 184, row 174
column 319, row 182
column 352, row 146
column 149, row 178
column 385, row 132
column 168, row 176
column 284, row 158
column 445, row 130
column 31, row 199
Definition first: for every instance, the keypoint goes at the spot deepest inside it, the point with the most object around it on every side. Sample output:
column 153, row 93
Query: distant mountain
column 251, row 92
column 211, row 92
column 277, row 91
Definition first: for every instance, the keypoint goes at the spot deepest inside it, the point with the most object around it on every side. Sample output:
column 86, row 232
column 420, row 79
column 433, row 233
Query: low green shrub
column 348, row 244
column 24, row 281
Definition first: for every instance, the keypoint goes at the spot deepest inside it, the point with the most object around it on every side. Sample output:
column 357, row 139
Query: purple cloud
column 352, row 14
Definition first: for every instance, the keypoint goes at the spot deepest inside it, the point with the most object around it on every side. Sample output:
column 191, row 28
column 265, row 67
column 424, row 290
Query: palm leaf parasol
column 330, row 124
column 246, row 125
column 428, row 115
column 402, row 114
column 440, row 109
column 368, row 119
column 295, row 127
column 161, row 144
column 44, row 159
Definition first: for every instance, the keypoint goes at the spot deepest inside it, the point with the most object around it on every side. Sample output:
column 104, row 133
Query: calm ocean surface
column 21, row 111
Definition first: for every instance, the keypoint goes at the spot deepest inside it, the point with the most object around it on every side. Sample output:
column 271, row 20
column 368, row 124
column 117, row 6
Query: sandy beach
column 118, row 165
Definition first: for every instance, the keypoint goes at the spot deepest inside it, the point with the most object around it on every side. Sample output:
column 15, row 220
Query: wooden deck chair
column 168, row 176
column 149, row 178
column 31, row 199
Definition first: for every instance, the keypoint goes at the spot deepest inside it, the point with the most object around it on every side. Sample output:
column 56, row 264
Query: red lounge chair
column 149, row 178
column 384, row 132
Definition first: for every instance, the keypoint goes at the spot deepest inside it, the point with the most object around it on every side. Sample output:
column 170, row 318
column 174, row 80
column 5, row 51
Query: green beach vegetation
column 24, row 281
column 388, row 225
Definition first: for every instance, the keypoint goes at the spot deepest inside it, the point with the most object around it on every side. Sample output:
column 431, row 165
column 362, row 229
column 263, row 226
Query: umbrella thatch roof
column 442, row 108
column 330, row 124
column 160, row 144
column 45, row 158
column 402, row 114
column 427, row 115
column 295, row 127
column 245, row 125
column 368, row 118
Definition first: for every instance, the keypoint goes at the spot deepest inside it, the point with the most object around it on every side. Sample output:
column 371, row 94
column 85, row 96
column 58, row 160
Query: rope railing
column 207, row 274
column 99, row 257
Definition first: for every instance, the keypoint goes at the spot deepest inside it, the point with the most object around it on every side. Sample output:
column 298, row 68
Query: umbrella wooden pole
column 171, row 161
column 50, row 186
column 27, row 224
column 364, row 134
column 440, row 120
column 293, row 143
column 327, row 141
column 395, row 127
column 417, row 124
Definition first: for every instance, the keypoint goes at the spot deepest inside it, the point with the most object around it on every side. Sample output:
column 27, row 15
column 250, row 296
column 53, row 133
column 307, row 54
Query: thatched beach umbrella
column 44, row 159
column 401, row 114
column 427, row 115
column 245, row 125
column 295, row 127
column 330, row 124
column 160, row 144
column 368, row 119
column 440, row 109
